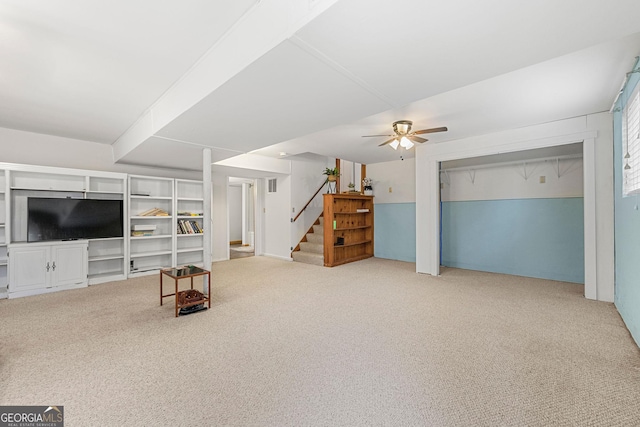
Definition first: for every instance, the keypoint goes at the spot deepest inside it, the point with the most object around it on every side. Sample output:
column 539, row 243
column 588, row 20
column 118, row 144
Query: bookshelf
column 348, row 228
column 106, row 259
column 150, row 224
column 189, row 225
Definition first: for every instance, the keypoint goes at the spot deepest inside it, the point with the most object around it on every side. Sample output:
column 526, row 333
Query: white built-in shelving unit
column 189, row 206
column 148, row 254
column 106, row 257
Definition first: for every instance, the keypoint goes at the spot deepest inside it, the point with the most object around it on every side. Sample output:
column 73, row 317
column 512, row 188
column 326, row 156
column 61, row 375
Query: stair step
column 308, row 258
column 316, row 248
column 318, row 229
column 315, row 238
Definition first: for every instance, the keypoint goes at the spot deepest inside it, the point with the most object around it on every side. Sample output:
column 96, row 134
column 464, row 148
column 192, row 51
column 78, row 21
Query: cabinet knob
column 54, row 266
column 48, row 267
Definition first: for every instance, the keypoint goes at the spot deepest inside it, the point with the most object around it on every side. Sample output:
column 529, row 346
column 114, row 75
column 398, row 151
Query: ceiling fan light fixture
column 394, row 144
column 405, row 143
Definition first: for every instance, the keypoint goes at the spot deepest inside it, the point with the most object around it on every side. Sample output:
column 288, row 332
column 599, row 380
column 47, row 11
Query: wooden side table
column 186, row 273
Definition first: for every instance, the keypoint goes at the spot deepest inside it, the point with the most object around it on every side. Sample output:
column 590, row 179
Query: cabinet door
column 69, row 265
column 28, row 268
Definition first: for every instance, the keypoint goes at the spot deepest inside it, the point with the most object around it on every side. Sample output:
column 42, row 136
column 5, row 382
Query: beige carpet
column 292, row 344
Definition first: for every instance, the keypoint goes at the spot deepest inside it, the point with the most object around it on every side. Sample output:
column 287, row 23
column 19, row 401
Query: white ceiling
column 90, row 70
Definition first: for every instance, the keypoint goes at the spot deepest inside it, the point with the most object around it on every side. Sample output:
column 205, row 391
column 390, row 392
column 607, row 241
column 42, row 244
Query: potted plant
column 368, row 189
column 352, row 187
column 332, row 174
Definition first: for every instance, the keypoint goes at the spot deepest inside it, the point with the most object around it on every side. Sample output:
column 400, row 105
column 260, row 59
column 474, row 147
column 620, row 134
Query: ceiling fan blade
column 369, row 136
column 416, row 138
column 433, row 130
column 387, row 142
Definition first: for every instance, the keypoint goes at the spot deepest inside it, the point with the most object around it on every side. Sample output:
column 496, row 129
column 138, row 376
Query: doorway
column 241, row 225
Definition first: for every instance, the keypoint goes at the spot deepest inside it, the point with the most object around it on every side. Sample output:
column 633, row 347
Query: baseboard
column 284, row 258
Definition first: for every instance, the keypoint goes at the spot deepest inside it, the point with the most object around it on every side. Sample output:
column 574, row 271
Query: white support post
column 590, row 220
column 206, row 221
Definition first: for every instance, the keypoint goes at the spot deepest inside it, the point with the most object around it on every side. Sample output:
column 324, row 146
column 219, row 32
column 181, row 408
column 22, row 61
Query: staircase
column 312, row 245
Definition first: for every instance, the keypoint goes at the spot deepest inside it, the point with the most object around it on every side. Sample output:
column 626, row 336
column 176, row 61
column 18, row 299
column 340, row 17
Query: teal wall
column 541, row 238
column 627, row 231
column 395, row 231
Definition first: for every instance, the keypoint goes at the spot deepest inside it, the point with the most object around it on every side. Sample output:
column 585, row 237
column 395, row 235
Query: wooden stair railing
column 304, row 238
column 309, row 202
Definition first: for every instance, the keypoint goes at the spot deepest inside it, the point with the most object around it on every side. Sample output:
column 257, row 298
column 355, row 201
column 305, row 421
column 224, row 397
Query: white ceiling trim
column 297, row 41
column 199, row 145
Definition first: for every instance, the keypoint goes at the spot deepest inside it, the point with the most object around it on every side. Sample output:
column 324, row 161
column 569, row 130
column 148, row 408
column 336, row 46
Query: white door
column 69, row 264
column 29, row 268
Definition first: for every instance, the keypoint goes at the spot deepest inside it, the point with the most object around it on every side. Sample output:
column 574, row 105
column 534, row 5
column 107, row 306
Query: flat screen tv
column 68, row 219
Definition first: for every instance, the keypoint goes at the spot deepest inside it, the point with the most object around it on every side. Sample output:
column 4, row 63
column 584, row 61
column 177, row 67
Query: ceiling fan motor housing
column 402, row 127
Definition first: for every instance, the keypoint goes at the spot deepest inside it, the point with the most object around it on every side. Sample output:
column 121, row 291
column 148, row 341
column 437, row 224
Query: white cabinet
column 36, row 268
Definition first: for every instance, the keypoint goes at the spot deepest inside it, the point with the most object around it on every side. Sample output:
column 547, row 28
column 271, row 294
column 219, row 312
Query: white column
column 245, row 214
column 208, row 224
column 590, row 220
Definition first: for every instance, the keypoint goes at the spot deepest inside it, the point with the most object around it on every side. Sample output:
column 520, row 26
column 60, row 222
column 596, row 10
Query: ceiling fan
column 404, row 137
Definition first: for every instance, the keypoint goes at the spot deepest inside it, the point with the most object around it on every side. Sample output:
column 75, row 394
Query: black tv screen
column 67, row 219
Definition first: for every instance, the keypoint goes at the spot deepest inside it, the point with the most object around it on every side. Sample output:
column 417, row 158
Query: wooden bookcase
column 348, row 228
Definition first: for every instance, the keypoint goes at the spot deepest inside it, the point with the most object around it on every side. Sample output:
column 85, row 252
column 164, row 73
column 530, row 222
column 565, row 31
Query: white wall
column 234, row 198
column 399, row 176
column 219, row 229
column 278, row 219
column 508, row 182
column 350, row 172
column 46, row 150
column 306, row 178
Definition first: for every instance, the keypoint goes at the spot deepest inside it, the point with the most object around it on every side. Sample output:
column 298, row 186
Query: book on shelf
column 362, row 210
column 141, row 193
column 188, row 227
column 146, row 233
column 184, row 213
column 143, row 227
column 154, row 212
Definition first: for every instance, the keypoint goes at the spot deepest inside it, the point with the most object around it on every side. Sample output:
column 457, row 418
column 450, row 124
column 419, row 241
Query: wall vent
column 273, row 185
